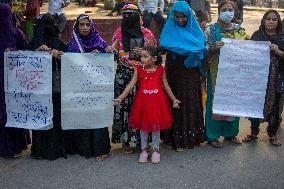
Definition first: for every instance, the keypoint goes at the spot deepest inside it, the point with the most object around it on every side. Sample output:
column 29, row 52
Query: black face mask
column 130, row 28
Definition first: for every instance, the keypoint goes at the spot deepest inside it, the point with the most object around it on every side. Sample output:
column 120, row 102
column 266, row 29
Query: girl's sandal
column 180, row 150
column 275, row 141
column 249, row 138
column 156, row 158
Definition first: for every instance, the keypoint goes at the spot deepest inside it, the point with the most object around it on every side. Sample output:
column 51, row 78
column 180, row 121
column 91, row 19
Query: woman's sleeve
column 253, row 37
column 207, row 34
column 103, row 46
column 149, row 38
column 62, row 46
column 115, row 42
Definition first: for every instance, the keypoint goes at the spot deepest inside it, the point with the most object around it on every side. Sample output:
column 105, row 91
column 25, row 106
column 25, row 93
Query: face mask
column 227, row 16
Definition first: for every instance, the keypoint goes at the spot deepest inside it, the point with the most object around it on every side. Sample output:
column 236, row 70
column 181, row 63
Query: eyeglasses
column 225, row 10
column 273, row 19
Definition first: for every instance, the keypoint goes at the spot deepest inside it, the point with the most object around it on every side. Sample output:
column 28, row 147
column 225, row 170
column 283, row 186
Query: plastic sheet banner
column 87, row 90
column 242, row 78
column 28, row 89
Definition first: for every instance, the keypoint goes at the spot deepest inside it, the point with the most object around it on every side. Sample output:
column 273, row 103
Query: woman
column 32, row 11
column 217, row 125
column 88, row 142
column 239, row 11
column 125, row 43
column 48, row 144
column 184, row 42
column 12, row 140
column 271, row 30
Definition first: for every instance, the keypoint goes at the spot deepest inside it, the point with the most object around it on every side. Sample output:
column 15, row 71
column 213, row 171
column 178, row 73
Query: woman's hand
column 137, row 50
column 95, row 51
column 216, row 46
column 56, row 53
column 8, row 50
column 276, row 49
column 43, row 48
column 109, row 49
column 117, row 101
column 176, row 103
column 219, row 44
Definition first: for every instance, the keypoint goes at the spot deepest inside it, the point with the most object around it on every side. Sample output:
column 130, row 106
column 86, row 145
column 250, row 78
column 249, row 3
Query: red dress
column 150, row 110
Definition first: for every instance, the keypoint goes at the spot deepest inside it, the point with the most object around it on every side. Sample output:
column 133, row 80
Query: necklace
column 150, row 70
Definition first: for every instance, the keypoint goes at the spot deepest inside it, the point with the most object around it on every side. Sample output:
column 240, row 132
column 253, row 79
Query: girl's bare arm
column 127, row 90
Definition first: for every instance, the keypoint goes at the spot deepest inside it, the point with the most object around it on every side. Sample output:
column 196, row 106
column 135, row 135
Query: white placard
column 242, row 78
column 87, row 90
column 28, row 89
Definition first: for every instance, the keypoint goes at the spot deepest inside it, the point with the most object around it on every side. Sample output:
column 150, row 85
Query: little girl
column 150, row 111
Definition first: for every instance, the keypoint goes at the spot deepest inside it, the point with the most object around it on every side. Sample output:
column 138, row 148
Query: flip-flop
column 102, row 157
column 249, row 138
column 17, row 155
column 127, row 150
column 274, row 141
column 216, row 144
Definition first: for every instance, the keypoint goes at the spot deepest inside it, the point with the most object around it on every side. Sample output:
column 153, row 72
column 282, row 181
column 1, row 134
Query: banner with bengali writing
column 242, row 78
column 28, row 89
column 87, row 90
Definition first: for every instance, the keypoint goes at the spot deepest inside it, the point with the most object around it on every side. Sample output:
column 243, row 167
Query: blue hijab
column 186, row 41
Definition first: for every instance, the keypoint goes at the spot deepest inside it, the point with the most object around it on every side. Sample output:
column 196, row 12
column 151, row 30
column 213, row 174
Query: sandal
column 249, row 138
column 127, row 150
column 274, row 141
column 156, row 157
column 17, row 155
column 102, row 157
column 143, row 158
column 180, row 149
column 234, row 140
column 216, row 144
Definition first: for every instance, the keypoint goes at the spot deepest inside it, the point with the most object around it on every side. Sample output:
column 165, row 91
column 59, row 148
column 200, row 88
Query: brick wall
column 105, row 27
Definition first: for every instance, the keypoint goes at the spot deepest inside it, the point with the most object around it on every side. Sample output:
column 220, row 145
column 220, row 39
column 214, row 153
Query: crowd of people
column 152, row 101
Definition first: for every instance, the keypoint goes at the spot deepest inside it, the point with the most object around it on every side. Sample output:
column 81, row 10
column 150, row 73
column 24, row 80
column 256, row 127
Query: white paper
column 28, row 89
column 242, row 78
column 87, row 90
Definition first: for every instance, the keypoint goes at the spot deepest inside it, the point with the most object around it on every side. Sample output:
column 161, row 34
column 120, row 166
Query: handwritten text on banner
column 242, row 78
column 87, row 90
column 28, row 89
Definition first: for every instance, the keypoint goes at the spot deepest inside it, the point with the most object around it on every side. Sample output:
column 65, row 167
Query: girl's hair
column 279, row 24
column 224, row 2
column 154, row 51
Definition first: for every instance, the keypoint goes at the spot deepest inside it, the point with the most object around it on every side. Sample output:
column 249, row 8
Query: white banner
column 28, row 89
column 242, row 78
column 87, row 90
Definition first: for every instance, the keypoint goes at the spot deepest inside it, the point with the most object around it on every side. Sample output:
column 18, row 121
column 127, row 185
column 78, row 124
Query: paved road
column 249, row 166
column 258, row 165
